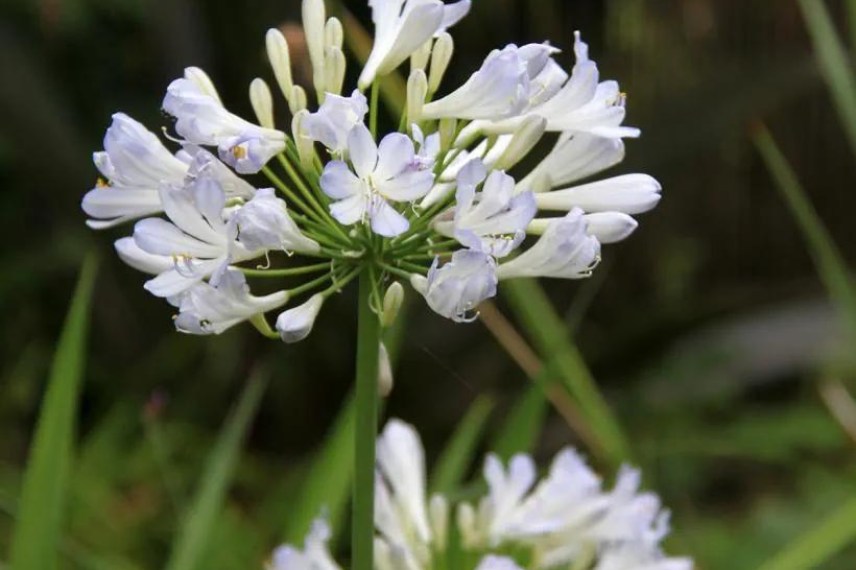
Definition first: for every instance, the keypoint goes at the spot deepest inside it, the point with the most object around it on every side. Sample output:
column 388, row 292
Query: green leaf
column 328, row 481
column 827, row 258
column 550, row 335
column 36, row 537
column 819, row 544
column 456, row 458
column 834, row 65
column 523, row 426
column 201, row 518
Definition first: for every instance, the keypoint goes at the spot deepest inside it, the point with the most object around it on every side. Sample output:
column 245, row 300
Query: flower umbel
column 440, row 204
column 565, row 520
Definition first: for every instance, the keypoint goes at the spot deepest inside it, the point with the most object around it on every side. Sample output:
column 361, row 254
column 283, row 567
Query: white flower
column 295, row 324
column 497, row 90
column 135, row 163
column 629, row 193
column 493, row 220
column 635, row 556
column 574, row 157
column 607, row 227
column 208, row 309
column 402, row 27
column 383, row 173
column 129, row 252
column 202, row 119
column 401, row 516
column 455, row 289
column 565, row 250
column 497, row 563
column 264, row 223
column 198, row 240
column 333, row 121
column 582, row 104
column 314, row 556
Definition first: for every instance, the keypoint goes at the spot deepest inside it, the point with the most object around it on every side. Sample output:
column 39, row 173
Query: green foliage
column 523, row 426
column 457, row 456
column 41, row 513
column 196, row 529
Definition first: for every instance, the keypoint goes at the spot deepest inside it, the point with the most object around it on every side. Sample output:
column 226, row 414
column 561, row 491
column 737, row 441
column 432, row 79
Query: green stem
column 368, row 342
column 395, row 270
column 285, row 272
column 374, row 105
column 281, row 186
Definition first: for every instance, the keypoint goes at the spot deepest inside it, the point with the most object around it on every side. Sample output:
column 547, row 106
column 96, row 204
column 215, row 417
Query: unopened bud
column 305, row 146
column 522, row 142
column 385, row 379
column 314, row 22
column 448, row 129
column 262, row 102
column 334, row 70
column 334, row 36
column 280, row 61
column 444, row 47
column 392, row 301
column 419, row 59
column 298, row 101
column 201, row 79
column 417, row 90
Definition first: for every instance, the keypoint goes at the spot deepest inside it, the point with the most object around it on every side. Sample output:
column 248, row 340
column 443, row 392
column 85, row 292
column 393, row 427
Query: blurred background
column 709, row 331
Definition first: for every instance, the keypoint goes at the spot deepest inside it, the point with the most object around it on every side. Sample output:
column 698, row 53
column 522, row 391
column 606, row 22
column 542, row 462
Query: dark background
column 707, row 329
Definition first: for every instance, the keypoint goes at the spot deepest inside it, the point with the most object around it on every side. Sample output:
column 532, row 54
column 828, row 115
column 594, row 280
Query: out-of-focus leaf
column 200, row 519
column 549, row 333
column 832, row 57
column 820, row 544
column 523, row 426
column 328, row 481
column 36, row 538
column 827, row 258
column 456, row 458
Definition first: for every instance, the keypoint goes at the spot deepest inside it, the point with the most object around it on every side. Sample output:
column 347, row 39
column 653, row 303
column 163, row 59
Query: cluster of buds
column 439, row 205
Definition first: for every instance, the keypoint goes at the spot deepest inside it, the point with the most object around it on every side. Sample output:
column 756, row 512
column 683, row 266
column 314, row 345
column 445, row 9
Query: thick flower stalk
column 565, row 520
column 439, row 205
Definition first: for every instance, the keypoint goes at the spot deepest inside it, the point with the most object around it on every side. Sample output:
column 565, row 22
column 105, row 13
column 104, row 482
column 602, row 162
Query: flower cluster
column 439, row 205
column 566, row 520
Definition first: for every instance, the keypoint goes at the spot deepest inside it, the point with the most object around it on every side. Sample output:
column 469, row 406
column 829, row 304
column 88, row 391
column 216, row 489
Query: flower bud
column 444, row 47
column 298, row 101
column 417, row 90
column 334, row 70
column 392, row 302
column 305, row 147
column 295, row 324
column 262, row 102
column 280, row 61
column 384, row 372
column 314, row 19
column 334, row 36
column 522, row 142
column 448, row 129
column 419, row 59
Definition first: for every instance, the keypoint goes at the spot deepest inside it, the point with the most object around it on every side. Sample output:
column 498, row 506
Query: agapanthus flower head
column 442, row 204
column 566, row 519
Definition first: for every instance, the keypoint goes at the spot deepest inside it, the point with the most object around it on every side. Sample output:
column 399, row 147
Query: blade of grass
column 851, row 23
column 456, row 458
column 36, row 537
column 827, row 258
column 201, row 517
column 834, row 65
column 550, row 335
column 328, row 481
column 524, row 424
column 820, row 544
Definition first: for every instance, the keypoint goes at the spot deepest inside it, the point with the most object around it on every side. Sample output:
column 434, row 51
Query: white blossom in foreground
column 448, row 203
column 567, row 519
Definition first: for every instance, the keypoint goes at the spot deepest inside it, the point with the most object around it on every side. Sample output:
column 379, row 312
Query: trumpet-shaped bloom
column 135, row 164
column 499, row 89
column 380, row 174
column 202, row 119
column 295, row 324
column 209, row 309
column 493, row 220
column 573, row 158
column 565, row 250
column 334, row 120
column 264, row 223
column 402, row 27
column 455, row 289
column 629, row 193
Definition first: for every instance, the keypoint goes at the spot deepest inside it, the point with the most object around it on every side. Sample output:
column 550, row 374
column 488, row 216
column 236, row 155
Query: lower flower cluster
column 565, row 520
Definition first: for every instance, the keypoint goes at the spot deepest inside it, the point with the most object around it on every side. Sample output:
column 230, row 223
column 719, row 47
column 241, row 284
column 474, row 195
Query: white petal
column 631, row 194
column 131, row 254
column 339, row 182
column 350, row 210
column 363, row 151
column 610, row 227
column 395, row 153
column 385, row 220
column 160, row 237
column 408, row 186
